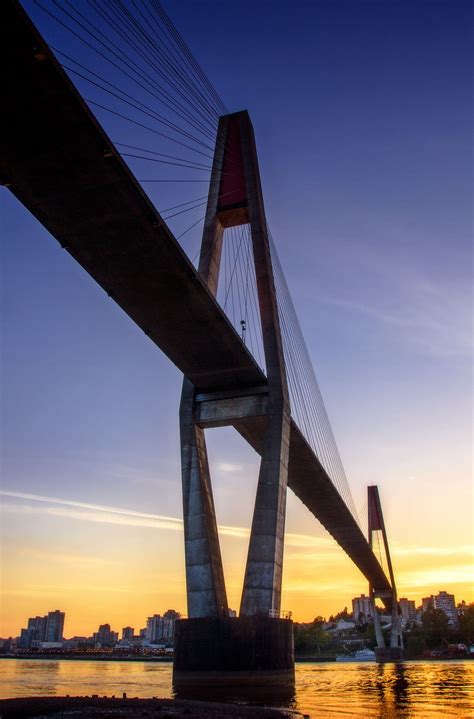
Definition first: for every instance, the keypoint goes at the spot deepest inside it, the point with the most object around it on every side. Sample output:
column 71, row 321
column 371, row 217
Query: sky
column 363, row 123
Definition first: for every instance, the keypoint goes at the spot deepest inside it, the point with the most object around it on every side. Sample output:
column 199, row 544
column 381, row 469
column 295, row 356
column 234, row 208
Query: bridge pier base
column 384, row 655
column 233, row 652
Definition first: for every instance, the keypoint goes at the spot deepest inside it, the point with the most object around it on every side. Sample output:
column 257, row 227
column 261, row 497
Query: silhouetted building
column 128, row 632
column 443, row 601
column 105, row 637
column 427, row 603
column 446, row 602
column 408, row 609
column 362, row 609
column 54, row 626
column 43, row 629
column 160, row 629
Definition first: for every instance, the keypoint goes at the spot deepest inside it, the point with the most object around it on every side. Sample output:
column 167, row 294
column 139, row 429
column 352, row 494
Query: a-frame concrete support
column 376, row 523
column 265, row 641
column 235, row 198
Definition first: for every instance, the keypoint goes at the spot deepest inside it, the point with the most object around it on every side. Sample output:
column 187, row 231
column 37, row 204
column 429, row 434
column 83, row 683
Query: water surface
column 411, row 690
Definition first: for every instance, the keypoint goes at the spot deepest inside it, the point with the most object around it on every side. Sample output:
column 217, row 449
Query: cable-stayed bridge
column 229, row 325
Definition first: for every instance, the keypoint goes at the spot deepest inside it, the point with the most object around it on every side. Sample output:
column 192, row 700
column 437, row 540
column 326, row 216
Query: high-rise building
column 105, row 637
column 443, row 601
column 427, row 603
column 446, row 602
column 160, row 629
column 361, row 609
column 128, row 632
column 43, row 629
column 54, row 626
column 408, row 609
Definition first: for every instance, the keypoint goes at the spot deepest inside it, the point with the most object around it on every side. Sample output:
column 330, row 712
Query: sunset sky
column 363, row 122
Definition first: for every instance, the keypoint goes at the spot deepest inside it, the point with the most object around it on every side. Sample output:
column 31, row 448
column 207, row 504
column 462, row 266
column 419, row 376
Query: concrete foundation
column 384, row 655
column 244, row 651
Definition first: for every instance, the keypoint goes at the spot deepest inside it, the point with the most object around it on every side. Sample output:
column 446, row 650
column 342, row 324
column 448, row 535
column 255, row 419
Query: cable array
column 157, row 104
column 149, row 92
column 237, row 291
column 307, row 406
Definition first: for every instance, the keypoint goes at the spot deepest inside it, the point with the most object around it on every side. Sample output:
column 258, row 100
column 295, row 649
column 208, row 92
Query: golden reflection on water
column 412, row 690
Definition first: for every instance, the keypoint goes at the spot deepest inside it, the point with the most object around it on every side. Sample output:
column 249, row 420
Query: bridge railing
column 279, row 614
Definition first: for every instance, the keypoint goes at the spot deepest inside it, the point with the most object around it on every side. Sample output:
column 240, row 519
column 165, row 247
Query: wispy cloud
column 86, row 505
column 229, row 468
column 444, row 576
column 75, row 560
column 430, row 313
column 49, row 590
column 465, row 549
column 312, row 550
column 432, row 319
column 87, row 512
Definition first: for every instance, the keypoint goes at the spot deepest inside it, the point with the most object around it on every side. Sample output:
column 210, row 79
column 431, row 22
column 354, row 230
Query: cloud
column 430, row 313
column 87, row 512
column 465, row 549
column 303, row 550
column 52, row 590
column 132, row 519
column 86, row 505
column 76, row 560
column 430, row 318
column 229, row 468
column 444, row 576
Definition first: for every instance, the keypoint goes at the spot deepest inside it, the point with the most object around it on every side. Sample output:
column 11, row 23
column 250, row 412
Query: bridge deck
column 58, row 161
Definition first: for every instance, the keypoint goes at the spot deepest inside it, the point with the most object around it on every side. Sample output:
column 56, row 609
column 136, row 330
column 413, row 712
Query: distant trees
column 434, row 633
column 311, row 638
column 341, row 615
column 435, row 626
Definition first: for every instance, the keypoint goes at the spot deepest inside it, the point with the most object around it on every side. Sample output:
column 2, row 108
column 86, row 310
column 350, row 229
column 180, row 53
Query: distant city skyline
column 359, row 604
column 363, row 121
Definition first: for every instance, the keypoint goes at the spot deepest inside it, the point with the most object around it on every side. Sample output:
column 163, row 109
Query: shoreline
column 93, row 707
column 86, row 658
column 169, row 660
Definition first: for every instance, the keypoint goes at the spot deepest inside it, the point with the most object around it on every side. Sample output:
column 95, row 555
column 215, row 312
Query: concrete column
column 377, row 626
column 263, row 574
column 205, row 585
column 204, row 572
column 396, row 639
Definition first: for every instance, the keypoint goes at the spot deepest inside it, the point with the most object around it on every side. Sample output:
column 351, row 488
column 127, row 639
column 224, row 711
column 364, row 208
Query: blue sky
column 363, row 124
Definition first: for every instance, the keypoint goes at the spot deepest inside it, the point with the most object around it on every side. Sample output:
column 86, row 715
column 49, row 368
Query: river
column 410, row 690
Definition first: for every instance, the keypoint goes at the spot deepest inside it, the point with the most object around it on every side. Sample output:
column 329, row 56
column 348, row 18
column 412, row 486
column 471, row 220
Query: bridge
column 62, row 166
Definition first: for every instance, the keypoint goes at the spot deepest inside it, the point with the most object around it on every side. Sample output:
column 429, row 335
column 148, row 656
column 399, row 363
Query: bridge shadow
column 260, row 695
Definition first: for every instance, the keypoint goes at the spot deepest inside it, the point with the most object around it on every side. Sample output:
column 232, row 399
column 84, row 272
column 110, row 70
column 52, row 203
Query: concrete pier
column 384, row 655
column 231, row 651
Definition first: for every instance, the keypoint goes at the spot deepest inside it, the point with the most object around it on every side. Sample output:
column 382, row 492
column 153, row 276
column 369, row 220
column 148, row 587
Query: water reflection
column 412, row 690
column 387, row 691
column 392, row 686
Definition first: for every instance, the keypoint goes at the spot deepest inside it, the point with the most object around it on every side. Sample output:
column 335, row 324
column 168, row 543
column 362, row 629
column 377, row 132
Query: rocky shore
column 113, row 708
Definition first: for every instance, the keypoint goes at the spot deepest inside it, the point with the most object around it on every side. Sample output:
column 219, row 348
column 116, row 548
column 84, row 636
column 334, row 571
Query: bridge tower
column 376, row 523
column 207, row 641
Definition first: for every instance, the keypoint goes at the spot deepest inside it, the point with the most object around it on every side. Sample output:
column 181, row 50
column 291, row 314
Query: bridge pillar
column 204, row 572
column 376, row 523
column 377, row 626
column 210, row 646
column 263, row 574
